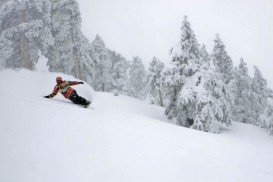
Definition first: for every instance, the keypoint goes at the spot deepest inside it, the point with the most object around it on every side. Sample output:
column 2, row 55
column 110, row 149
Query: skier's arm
column 74, row 83
column 55, row 92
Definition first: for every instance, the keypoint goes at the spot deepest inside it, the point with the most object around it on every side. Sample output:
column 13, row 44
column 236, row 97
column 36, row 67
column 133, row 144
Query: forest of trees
column 198, row 89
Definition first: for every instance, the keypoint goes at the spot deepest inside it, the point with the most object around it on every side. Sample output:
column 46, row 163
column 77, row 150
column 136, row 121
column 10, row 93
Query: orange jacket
column 64, row 88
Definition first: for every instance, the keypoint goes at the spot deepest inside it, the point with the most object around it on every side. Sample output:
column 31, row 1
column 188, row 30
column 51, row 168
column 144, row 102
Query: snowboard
column 86, row 106
column 68, row 102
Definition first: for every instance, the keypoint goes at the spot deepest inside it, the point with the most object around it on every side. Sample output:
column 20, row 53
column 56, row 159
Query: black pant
column 76, row 99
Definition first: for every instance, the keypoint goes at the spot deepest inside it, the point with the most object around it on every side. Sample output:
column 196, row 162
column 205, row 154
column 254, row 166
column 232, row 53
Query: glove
column 80, row 82
column 46, row 96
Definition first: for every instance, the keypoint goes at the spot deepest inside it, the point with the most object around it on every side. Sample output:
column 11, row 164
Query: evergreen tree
column 71, row 51
column 25, row 30
column 118, row 71
column 86, row 64
column 102, row 78
column 196, row 94
column 205, row 58
column 186, row 55
column 3, row 2
column 259, row 96
column 266, row 118
column 136, row 80
column 185, row 62
column 204, row 102
column 172, row 81
column 154, row 86
column 221, row 60
column 109, row 69
column 240, row 87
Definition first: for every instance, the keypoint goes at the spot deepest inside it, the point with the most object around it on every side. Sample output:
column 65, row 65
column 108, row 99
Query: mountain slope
column 122, row 139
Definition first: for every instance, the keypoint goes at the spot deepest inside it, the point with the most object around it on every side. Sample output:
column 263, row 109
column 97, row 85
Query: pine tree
column 203, row 101
column 172, row 82
column 102, row 77
column 186, row 55
column 185, row 62
column 136, row 80
column 3, row 2
column 25, row 30
column 240, row 87
column 118, row 71
column 209, row 101
column 259, row 96
column 71, row 51
column 186, row 58
column 266, row 119
column 196, row 94
column 222, row 60
column 86, row 62
column 205, row 58
column 109, row 68
column 154, row 86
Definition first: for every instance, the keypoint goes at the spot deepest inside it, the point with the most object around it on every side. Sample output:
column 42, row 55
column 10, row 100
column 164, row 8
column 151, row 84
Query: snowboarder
column 68, row 92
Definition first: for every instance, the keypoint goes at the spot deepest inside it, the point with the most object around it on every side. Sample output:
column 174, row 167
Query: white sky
column 148, row 28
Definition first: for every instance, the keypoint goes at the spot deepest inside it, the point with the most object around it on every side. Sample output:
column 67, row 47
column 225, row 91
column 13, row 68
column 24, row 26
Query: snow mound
column 122, row 139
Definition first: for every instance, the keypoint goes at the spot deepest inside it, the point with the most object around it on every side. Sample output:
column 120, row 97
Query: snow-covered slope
column 121, row 140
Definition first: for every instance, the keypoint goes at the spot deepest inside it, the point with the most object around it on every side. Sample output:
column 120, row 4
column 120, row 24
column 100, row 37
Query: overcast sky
column 148, row 28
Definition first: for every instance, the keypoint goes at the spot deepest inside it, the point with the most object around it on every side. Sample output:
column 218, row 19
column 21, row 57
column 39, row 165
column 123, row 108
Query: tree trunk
column 160, row 97
column 26, row 62
column 75, row 52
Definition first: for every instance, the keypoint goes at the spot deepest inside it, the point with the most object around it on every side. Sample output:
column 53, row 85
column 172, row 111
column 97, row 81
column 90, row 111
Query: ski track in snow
column 122, row 139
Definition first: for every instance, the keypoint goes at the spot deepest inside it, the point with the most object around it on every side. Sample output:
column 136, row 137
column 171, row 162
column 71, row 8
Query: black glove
column 80, row 82
column 46, row 96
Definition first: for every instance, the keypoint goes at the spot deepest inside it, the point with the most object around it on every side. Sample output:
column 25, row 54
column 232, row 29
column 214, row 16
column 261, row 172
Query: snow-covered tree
column 86, row 62
column 109, row 68
column 204, row 102
column 65, row 27
column 136, row 80
column 102, row 78
column 3, row 2
column 25, row 30
column 185, row 55
column 196, row 94
column 172, row 82
column 53, row 28
column 71, row 51
column 251, row 98
column 118, row 71
column 259, row 96
column 240, row 87
column 266, row 118
column 154, row 84
column 205, row 58
column 185, row 61
column 222, row 60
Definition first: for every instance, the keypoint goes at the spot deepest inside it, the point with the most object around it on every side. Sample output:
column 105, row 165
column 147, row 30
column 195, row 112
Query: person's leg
column 76, row 99
column 82, row 100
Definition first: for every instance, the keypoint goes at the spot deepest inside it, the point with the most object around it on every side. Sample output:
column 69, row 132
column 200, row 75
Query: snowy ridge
column 123, row 139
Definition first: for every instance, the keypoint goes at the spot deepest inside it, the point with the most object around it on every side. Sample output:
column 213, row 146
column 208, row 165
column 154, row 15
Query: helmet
column 59, row 79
